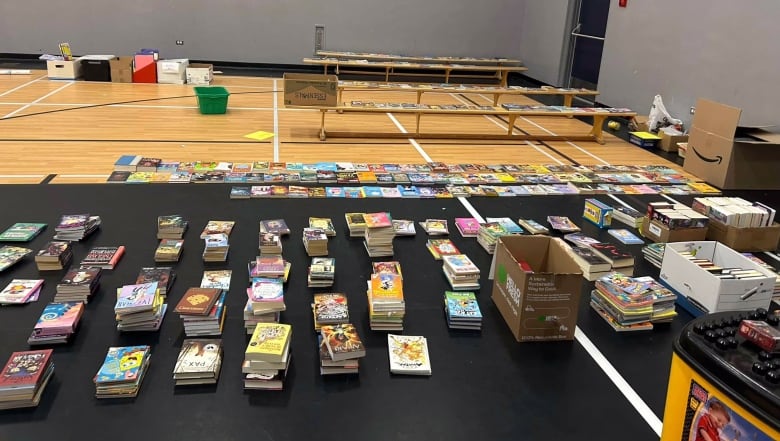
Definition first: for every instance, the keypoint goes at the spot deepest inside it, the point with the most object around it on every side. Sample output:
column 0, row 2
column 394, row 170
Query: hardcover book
column 198, row 301
column 199, row 356
column 330, row 308
column 122, row 364
column 408, row 354
column 21, row 232
column 343, row 342
column 24, row 370
column 617, row 255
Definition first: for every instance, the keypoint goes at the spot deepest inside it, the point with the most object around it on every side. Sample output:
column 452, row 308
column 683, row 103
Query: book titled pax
column 408, row 354
column 199, row 356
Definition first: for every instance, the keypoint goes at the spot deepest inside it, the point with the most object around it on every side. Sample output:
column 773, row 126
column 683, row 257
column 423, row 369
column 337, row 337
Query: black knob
column 742, row 316
column 733, row 343
column 730, row 331
column 760, row 368
column 761, row 312
column 773, row 319
column 722, row 343
column 773, row 376
column 699, row 328
column 725, row 321
column 720, row 333
column 754, row 315
column 711, row 335
column 764, row 356
column 775, row 363
column 734, row 320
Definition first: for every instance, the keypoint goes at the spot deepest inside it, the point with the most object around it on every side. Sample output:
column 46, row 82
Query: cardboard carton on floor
column 729, row 156
column 310, row 90
column 121, row 69
column 658, row 232
column 668, row 143
column 745, row 238
column 200, row 74
column 64, row 70
column 540, row 304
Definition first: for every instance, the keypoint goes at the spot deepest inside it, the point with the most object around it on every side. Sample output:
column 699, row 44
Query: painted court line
column 411, row 140
column 506, row 127
column 39, row 99
column 276, row 124
column 22, row 85
column 644, row 410
column 20, row 176
column 620, row 201
column 552, row 133
column 82, row 176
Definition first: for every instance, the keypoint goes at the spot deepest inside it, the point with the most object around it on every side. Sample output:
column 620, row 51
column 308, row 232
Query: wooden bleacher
column 497, row 61
column 364, row 67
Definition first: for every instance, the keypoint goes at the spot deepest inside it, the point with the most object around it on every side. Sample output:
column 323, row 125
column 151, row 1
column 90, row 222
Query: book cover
column 330, row 308
column 562, row 224
column 9, row 255
column 219, row 279
column 198, row 301
column 462, row 305
column 60, row 315
column 613, row 253
column 580, row 240
column 468, row 226
column 355, row 219
column 122, row 364
column 378, row 220
column 72, row 221
column 343, row 341
column 80, row 276
column 387, row 287
column 163, row 275
column 625, row 236
column 442, row 247
column 21, row 232
column 20, row 290
column 509, row 225
column 276, row 226
column 460, row 264
column 408, row 354
column 388, row 267
column 266, row 290
column 103, row 256
column 54, row 249
column 199, row 356
column 24, row 369
column 436, row 226
column 216, row 227
column 269, row 339
column 404, row 227
column 170, row 246
column 323, row 223
column 173, row 221
column 137, row 296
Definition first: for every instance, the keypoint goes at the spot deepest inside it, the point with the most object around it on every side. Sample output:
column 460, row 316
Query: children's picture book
column 562, row 224
column 24, row 369
column 408, row 354
column 199, row 356
column 122, row 364
column 216, row 227
column 343, row 341
column 462, row 305
column 21, row 232
column 20, row 291
column 9, row 255
column 467, row 226
column 625, row 236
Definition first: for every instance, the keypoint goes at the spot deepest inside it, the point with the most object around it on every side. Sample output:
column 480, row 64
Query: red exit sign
column 623, row 3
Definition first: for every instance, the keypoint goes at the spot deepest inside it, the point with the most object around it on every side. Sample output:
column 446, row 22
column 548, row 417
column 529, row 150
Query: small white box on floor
column 63, row 70
column 172, row 71
column 200, row 74
column 708, row 292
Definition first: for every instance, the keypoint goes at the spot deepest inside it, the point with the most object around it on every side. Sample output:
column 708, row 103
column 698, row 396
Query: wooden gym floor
column 76, row 130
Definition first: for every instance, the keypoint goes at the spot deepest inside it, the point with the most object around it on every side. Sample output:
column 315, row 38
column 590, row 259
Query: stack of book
column 592, row 265
column 78, row 285
column 10, row 255
column 251, row 319
column 509, row 225
column 199, row 362
column 270, row 244
column 267, row 356
column 533, row 227
column 766, row 266
column 216, row 247
column 404, row 227
column 628, row 216
column 276, row 226
column 163, row 275
column 562, row 224
column 21, row 291
column 343, row 347
column 217, row 227
column 219, row 279
column 265, row 302
column 329, row 309
column 268, row 266
column 104, row 257
column 488, row 235
column 21, row 232
column 356, row 223
column 56, row 255
column 324, row 224
column 322, row 272
column 467, row 226
column 441, row 247
column 435, row 227
column 618, row 256
column 387, row 267
column 57, row 323
column 315, row 241
column 379, row 234
column 171, row 226
column 139, row 307
column 654, row 253
column 122, row 372
column 462, row 310
column 386, row 305
column 632, row 304
column 75, row 227
column 169, row 250
column 24, row 378
column 461, row 272
column 202, row 310
column 408, row 354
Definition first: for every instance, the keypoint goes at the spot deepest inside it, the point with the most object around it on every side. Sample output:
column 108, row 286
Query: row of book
column 632, row 304
column 506, row 106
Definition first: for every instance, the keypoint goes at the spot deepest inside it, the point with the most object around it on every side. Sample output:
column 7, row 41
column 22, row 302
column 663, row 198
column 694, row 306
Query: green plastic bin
column 212, row 100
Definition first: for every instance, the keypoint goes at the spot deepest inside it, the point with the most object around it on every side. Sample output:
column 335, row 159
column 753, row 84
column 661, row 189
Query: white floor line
column 82, row 176
column 146, row 106
column 620, row 201
column 551, row 133
column 772, row 255
column 276, row 124
column 506, row 127
column 669, row 198
column 20, row 176
column 39, row 99
column 470, row 208
column 22, row 85
column 411, row 140
column 641, row 407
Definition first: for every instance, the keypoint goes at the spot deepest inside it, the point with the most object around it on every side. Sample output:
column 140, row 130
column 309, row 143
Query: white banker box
column 705, row 290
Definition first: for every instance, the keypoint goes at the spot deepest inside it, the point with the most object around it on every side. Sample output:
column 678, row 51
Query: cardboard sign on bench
column 310, row 90
column 541, row 304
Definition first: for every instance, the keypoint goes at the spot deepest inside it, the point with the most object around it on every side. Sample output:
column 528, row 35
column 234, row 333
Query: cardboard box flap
column 752, row 135
column 557, row 261
column 537, row 259
column 716, row 118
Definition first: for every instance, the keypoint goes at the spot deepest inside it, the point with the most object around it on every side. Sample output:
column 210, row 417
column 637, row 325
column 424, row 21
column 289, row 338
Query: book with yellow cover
column 269, row 342
column 387, row 288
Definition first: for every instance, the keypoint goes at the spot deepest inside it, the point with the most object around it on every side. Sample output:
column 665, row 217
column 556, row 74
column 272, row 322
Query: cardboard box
column 700, row 288
column 598, row 213
column 745, row 239
column 310, row 90
column 200, row 74
column 541, row 305
column 682, row 149
column 658, row 232
column 728, row 156
column 646, row 140
column 121, row 69
column 668, row 143
column 172, row 71
column 640, row 124
column 144, row 68
column 64, row 70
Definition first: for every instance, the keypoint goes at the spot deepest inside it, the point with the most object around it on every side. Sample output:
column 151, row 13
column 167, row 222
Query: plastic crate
column 212, row 100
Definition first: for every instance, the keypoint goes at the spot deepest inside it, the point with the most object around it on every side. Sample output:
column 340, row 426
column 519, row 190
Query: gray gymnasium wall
column 262, row 31
column 543, row 27
column 724, row 50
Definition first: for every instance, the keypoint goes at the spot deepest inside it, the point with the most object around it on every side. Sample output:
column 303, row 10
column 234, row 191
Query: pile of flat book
column 379, row 234
column 202, row 311
column 122, row 371
column 342, row 349
column 78, row 285
column 462, row 310
column 488, row 235
column 461, row 272
column 356, row 223
column 24, row 378
column 56, row 255
column 103, row 257
column 139, row 307
column 169, row 250
column 329, row 309
column 199, row 362
column 386, row 305
column 315, row 241
column 57, row 323
column 171, row 226
column 322, row 272
column 270, row 244
column 21, row 291
column 267, row 356
column 75, row 227
column 265, row 302
column 632, row 303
